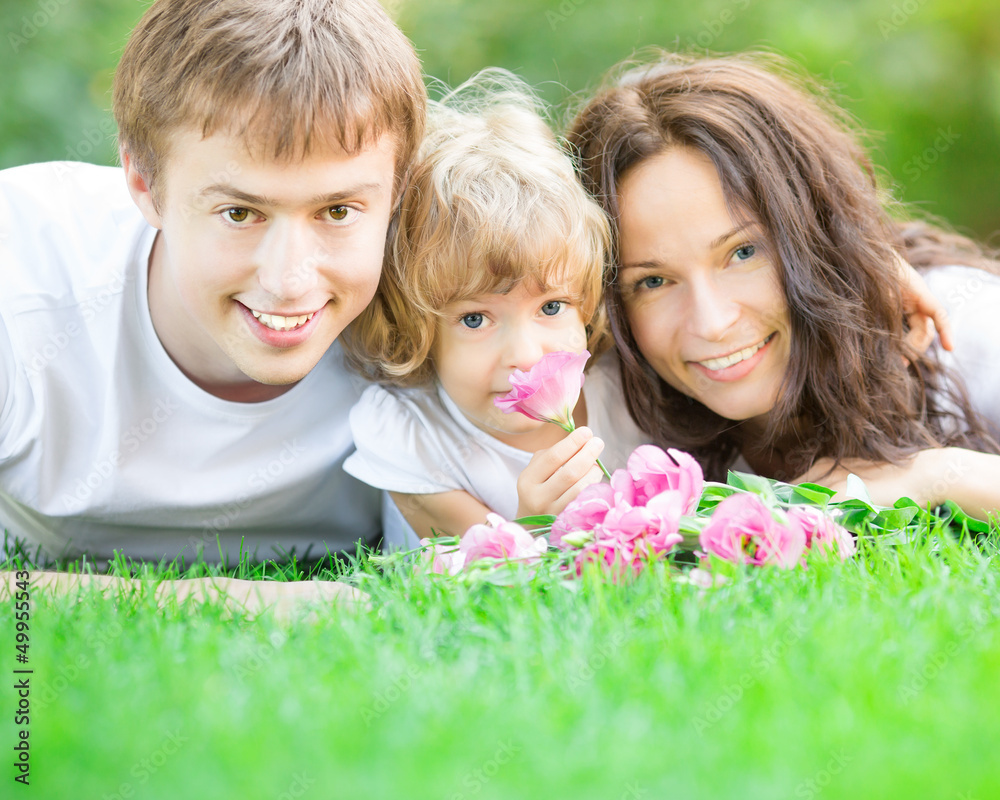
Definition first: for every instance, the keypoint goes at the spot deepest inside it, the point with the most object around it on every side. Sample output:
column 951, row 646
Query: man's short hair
column 286, row 76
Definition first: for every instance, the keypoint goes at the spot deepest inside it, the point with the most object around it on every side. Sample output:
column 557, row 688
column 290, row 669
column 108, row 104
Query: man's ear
column 142, row 196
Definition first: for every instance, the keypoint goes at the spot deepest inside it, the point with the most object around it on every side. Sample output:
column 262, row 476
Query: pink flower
column 822, row 533
column 625, row 488
column 549, row 391
column 499, row 540
column 654, row 471
column 584, row 513
column 613, row 558
column 654, row 527
column 744, row 530
column 442, row 559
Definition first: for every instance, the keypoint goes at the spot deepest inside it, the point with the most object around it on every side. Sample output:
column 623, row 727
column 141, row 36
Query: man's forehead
column 235, row 148
column 223, row 163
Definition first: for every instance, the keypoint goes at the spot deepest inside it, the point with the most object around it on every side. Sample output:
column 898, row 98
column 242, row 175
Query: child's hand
column 555, row 476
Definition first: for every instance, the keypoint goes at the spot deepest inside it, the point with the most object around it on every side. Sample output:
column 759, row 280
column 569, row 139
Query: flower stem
column 569, row 426
column 604, row 469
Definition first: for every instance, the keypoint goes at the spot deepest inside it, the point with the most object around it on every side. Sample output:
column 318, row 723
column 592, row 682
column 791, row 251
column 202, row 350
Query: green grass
column 875, row 678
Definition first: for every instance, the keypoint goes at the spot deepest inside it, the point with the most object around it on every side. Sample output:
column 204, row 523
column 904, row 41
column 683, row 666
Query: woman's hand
column 924, row 312
column 886, row 483
column 555, row 476
column 967, row 477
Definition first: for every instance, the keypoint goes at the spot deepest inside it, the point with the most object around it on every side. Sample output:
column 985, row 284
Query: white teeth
column 716, row 364
column 276, row 323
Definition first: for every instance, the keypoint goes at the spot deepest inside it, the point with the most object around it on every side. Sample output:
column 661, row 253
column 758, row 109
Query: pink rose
column 744, row 530
column 584, row 513
column 500, row 540
column 443, row 559
column 624, row 487
column 654, row 527
column 822, row 533
column 654, row 471
column 549, row 391
column 614, row 559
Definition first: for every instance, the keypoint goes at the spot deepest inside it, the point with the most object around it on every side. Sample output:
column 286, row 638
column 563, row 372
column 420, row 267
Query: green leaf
column 895, row 519
column 957, row 518
column 757, row 484
column 809, row 493
column 537, row 519
column 856, row 488
column 713, row 494
column 692, row 526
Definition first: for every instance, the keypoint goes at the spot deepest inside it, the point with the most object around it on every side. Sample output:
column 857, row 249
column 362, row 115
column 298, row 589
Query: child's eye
column 650, row 282
column 551, row 308
column 472, row 320
column 745, row 252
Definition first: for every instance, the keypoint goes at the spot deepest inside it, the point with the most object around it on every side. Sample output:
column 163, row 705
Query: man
column 169, row 377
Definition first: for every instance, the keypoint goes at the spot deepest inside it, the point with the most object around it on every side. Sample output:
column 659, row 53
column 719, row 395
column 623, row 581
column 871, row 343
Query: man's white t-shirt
column 417, row 441
column 972, row 299
column 105, row 444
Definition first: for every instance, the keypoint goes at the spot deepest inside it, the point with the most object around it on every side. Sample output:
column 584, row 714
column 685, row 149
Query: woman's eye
column 551, row 308
column 745, row 252
column 472, row 320
column 650, row 282
column 340, row 213
column 237, row 214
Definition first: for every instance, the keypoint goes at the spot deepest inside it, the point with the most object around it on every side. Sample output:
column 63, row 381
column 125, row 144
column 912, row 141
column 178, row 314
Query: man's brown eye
column 339, row 213
column 238, row 214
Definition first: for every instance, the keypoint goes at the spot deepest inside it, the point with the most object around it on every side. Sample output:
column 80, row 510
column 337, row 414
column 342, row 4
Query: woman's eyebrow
column 721, row 240
column 641, row 265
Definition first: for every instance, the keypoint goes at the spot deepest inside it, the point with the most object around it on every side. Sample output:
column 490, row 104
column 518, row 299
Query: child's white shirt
column 417, row 441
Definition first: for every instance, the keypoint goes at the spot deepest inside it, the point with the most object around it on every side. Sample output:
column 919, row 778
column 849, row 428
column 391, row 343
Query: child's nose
column 523, row 350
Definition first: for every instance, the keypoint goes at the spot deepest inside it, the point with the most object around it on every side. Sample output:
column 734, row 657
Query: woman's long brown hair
column 789, row 160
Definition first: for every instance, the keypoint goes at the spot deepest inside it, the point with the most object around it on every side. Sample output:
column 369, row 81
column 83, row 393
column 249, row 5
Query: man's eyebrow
column 330, row 199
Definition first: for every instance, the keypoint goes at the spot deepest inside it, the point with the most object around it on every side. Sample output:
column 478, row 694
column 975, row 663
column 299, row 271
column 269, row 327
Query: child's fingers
column 593, row 475
column 545, row 463
column 563, row 469
column 575, row 468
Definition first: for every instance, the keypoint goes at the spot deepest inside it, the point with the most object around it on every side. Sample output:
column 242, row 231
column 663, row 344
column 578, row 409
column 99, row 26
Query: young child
column 497, row 260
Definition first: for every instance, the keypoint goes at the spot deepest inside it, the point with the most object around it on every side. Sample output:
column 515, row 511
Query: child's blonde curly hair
column 493, row 201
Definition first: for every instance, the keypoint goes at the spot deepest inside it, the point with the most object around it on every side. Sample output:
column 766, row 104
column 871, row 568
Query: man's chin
column 268, row 383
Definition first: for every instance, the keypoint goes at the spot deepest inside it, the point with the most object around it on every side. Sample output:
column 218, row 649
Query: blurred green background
column 923, row 76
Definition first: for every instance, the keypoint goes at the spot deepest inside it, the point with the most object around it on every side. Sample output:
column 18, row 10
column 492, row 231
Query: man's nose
column 288, row 259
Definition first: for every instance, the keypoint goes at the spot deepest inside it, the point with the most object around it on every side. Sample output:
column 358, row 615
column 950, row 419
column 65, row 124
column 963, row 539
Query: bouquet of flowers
column 660, row 505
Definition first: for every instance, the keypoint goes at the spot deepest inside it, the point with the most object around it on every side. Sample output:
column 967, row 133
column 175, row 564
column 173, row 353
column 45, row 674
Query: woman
column 755, row 298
